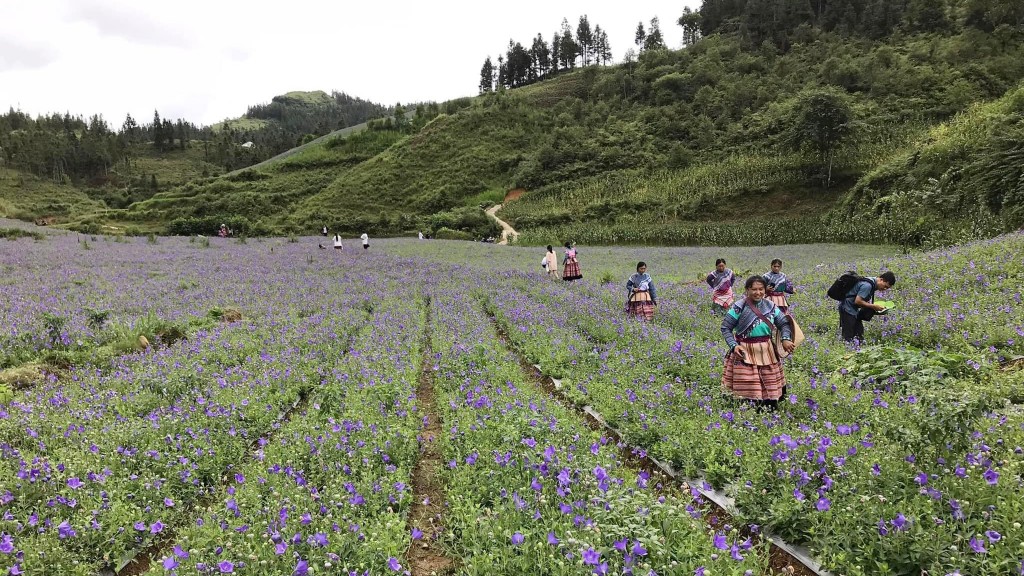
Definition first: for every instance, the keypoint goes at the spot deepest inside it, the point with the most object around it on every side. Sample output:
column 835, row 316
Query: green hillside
column 962, row 179
column 780, row 124
column 712, row 143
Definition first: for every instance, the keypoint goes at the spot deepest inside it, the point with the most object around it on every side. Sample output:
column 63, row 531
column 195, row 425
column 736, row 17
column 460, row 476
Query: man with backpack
column 857, row 301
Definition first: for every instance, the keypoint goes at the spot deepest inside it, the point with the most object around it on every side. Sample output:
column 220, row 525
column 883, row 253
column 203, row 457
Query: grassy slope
column 600, row 163
column 937, row 186
column 28, row 197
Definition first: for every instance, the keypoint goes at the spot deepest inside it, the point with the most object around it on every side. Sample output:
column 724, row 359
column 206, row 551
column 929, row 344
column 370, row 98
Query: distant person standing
column 641, row 297
column 551, row 262
column 337, row 242
column 420, row 234
column 324, row 231
column 721, row 281
column 859, row 305
column 778, row 285
column 570, row 264
column 366, row 240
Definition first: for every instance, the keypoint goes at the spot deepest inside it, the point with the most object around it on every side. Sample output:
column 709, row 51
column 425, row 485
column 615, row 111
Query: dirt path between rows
column 507, row 232
column 780, row 561
column 425, row 556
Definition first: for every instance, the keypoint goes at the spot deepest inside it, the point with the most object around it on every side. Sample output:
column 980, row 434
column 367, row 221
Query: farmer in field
column 641, row 297
column 551, row 262
column 366, row 240
column 337, row 242
column 570, row 265
column 778, row 285
column 859, row 305
column 753, row 370
column 721, row 281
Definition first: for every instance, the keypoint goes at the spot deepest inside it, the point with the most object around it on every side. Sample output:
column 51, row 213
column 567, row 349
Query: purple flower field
column 285, row 442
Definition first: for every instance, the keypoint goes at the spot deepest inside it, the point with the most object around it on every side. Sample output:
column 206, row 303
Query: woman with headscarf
column 778, row 285
column 641, row 296
column 570, row 265
column 721, row 281
column 753, row 369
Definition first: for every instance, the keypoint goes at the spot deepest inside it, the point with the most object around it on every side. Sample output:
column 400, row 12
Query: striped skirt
column 572, row 271
column 725, row 298
column 640, row 306
column 779, row 299
column 761, row 379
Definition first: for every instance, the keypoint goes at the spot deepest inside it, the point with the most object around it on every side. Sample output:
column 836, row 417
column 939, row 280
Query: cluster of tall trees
column 64, row 148
column 298, row 117
column 521, row 65
column 776, row 21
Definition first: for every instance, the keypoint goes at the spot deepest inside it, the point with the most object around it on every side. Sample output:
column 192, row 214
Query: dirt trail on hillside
column 507, row 232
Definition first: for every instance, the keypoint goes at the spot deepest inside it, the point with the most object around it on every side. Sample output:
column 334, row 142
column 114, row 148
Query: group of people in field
column 758, row 327
column 338, row 245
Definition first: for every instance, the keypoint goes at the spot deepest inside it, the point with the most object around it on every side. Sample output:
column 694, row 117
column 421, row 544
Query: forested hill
column 781, row 120
column 58, row 167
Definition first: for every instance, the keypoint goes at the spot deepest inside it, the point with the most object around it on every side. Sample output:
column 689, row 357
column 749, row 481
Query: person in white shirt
column 337, row 242
column 365, row 239
column 420, row 235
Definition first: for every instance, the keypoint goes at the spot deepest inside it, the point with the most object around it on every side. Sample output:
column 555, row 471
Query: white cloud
column 207, row 60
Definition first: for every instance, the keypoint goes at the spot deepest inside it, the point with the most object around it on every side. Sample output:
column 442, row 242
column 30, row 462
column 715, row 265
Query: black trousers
column 851, row 327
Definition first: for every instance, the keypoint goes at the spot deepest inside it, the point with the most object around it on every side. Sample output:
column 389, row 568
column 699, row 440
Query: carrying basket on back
column 797, row 332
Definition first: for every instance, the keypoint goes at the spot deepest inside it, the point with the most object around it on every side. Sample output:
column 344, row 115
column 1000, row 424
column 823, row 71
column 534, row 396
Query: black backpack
column 842, row 286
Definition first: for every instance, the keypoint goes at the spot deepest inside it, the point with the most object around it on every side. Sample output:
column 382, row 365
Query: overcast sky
column 206, row 60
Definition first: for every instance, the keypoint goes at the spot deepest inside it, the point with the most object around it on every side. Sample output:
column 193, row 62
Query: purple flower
column 301, row 569
column 620, row 545
column 993, row 536
column 179, row 552
column 64, row 530
column 518, row 539
column 239, row 478
column 226, row 567
column 734, row 551
column 720, row 541
column 156, row 528
column 552, row 539
column 823, row 504
column 638, row 549
column 883, row 530
column 140, row 526
column 900, row 522
column 74, row 483
column 978, row 545
column 168, row 502
column 843, row 430
column 170, row 563
column 7, row 544
column 416, row 533
column 393, row 564
column 991, row 476
column 280, row 548
column 591, row 557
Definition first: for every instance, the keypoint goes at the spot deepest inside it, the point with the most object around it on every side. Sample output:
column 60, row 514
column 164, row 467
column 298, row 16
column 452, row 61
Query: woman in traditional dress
column 753, row 370
column 721, row 281
column 337, row 242
column 570, row 265
column 551, row 262
column 778, row 285
column 641, row 297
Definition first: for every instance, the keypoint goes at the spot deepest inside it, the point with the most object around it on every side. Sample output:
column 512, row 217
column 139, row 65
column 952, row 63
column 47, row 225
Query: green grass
column 27, row 197
column 241, row 124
